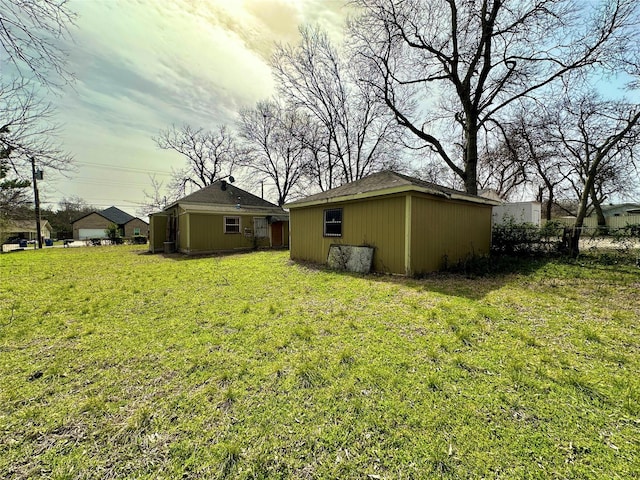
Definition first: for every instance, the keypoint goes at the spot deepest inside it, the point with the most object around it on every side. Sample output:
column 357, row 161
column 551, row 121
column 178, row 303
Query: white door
column 260, row 227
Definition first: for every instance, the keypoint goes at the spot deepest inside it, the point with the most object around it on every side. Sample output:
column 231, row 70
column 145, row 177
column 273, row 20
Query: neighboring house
column 518, row 212
column 616, row 216
column 414, row 226
column 219, row 217
column 622, row 210
column 24, row 229
column 94, row 224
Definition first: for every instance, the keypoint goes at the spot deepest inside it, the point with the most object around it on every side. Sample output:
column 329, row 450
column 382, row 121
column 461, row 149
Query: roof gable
column 139, row 219
column 385, row 182
column 214, row 195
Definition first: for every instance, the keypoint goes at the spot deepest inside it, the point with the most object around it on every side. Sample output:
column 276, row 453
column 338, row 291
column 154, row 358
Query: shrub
column 139, row 240
column 515, row 238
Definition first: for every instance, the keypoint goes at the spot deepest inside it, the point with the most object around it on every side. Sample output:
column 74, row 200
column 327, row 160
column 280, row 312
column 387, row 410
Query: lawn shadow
column 181, row 257
column 472, row 284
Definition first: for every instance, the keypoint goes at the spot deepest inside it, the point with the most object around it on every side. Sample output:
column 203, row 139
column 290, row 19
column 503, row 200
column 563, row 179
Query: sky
column 144, row 65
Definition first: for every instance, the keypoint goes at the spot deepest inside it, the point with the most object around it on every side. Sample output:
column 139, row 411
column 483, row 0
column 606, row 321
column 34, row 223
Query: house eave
column 228, row 209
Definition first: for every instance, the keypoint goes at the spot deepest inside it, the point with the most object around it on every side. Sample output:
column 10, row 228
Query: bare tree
column 599, row 140
column 157, row 199
column 274, row 139
column 31, row 35
column 29, row 129
column 450, row 70
column 210, row 155
column 28, row 140
column 354, row 134
column 535, row 160
column 501, row 167
column 31, row 32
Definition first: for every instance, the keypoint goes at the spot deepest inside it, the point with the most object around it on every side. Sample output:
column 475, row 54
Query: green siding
column 447, row 229
column 157, row 233
column 376, row 222
column 205, row 233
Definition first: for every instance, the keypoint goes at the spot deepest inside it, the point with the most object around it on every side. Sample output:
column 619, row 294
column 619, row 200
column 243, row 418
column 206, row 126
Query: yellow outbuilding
column 413, row 226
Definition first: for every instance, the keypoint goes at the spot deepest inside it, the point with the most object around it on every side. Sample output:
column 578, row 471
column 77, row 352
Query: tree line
column 324, row 127
column 509, row 96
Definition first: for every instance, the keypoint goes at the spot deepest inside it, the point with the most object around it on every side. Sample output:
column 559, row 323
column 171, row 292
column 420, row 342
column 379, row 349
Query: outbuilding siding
column 375, row 222
column 414, row 226
column 157, row 232
column 199, row 233
column 446, row 232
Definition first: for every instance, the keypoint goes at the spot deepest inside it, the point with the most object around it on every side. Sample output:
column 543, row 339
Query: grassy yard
column 119, row 364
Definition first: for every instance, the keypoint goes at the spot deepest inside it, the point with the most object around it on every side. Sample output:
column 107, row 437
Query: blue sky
column 143, row 65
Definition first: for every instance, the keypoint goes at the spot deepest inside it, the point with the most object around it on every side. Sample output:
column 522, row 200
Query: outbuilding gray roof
column 386, row 180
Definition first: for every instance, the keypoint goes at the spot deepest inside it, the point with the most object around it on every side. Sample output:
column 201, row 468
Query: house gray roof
column 387, row 180
column 116, row 215
column 232, row 195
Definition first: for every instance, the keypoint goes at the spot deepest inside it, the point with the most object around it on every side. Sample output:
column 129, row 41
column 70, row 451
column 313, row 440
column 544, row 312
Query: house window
column 333, row 222
column 260, row 227
column 231, row 224
column 136, row 231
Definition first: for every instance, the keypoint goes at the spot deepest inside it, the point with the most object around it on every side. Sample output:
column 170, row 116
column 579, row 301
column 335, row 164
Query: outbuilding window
column 333, row 222
column 231, row 224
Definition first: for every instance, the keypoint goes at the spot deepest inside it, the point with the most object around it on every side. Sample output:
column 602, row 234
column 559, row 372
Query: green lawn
column 119, row 364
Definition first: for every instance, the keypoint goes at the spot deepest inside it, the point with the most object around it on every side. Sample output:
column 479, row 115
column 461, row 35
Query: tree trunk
column 602, row 222
column 574, row 235
column 549, row 205
column 471, row 161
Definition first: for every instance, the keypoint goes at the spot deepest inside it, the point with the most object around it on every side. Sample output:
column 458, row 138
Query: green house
column 218, row 218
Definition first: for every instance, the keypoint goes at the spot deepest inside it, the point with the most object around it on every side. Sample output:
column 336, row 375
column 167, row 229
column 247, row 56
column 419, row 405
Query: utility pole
column 37, row 175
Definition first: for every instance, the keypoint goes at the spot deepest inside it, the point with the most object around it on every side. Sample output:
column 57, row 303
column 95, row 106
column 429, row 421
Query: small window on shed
column 333, row 222
column 136, row 231
column 231, row 224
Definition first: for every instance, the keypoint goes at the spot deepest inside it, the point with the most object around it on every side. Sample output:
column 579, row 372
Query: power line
column 126, row 169
column 98, row 181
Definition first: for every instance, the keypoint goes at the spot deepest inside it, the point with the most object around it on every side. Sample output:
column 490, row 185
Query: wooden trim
column 407, row 234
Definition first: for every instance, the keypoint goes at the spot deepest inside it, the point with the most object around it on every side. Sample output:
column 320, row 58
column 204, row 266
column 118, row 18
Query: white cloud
column 144, row 65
